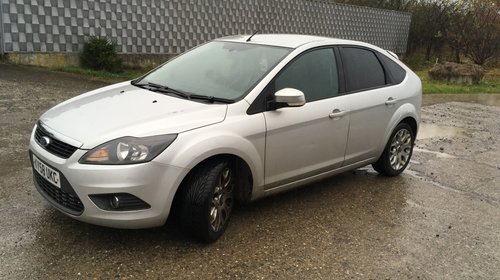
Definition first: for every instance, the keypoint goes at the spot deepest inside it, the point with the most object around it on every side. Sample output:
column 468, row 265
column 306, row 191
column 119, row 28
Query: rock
column 455, row 73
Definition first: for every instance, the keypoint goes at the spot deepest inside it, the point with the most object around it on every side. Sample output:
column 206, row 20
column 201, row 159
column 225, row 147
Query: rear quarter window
column 397, row 72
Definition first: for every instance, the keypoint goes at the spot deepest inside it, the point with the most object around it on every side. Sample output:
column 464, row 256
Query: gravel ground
column 439, row 220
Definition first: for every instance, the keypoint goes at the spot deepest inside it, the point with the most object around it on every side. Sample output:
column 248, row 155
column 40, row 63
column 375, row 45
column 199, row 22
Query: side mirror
column 289, row 97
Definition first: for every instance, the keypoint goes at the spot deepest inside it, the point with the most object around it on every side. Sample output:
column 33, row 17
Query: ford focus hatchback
column 235, row 119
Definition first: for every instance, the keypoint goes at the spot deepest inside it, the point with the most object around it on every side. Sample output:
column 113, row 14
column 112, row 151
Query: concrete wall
column 173, row 26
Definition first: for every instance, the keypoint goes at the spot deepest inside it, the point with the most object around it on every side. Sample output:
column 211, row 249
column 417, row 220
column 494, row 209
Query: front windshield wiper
column 211, row 99
column 165, row 89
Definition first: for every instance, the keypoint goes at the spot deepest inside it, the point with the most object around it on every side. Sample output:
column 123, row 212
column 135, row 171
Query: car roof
column 288, row 40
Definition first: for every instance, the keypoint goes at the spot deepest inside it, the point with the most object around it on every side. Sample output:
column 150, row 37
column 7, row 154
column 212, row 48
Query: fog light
column 119, row 202
column 114, row 202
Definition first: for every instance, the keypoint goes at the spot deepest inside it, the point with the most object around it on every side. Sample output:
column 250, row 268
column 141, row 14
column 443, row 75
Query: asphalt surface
column 439, row 220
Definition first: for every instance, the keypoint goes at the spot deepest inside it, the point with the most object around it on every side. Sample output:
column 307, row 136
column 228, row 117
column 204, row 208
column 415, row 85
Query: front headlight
column 128, row 150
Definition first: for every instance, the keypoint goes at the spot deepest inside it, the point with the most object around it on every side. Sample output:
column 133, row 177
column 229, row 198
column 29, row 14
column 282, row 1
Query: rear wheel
column 207, row 200
column 397, row 152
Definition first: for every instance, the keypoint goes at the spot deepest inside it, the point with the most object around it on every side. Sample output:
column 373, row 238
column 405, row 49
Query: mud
column 438, row 220
column 484, row 99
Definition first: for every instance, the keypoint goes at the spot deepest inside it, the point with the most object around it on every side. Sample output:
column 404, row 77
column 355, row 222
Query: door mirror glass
column 289, row 97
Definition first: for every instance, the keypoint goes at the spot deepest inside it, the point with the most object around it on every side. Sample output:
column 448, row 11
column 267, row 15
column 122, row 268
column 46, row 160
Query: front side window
column 314, row 73
column 218, row 69
column 362, row 69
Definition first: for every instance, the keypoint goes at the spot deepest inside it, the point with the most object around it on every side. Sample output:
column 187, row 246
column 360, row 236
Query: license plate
column 48, row 173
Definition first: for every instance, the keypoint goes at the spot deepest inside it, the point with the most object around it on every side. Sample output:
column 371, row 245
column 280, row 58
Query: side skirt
column 262, row 192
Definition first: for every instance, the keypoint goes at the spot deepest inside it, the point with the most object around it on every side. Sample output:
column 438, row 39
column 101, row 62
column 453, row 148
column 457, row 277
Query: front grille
column 68, row 202
column 55, row 147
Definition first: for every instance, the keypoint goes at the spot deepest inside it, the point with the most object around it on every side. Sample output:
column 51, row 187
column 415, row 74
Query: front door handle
column 337, row 114
column 391, row 101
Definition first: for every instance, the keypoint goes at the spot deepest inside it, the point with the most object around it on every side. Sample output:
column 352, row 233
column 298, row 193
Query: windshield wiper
column 168, row 90
column 211, row 99
column 165, row 89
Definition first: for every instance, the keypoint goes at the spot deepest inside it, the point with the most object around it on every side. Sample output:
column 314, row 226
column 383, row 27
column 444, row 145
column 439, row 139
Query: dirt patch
column 464, row 136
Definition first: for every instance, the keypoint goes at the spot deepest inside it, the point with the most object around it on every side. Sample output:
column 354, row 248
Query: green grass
column 491, row 84
column 104, row 75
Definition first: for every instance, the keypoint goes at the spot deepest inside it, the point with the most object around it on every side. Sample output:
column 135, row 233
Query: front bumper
column 153, row 182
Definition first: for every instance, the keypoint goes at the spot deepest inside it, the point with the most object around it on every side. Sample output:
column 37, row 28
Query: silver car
column 232, row 120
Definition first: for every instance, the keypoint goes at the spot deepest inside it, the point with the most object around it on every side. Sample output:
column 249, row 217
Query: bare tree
column 470, row 27
column 482, row 35
column 459, row 20
column 430, row 22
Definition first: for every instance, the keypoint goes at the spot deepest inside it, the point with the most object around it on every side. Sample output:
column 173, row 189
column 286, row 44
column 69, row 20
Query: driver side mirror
column 289, row 97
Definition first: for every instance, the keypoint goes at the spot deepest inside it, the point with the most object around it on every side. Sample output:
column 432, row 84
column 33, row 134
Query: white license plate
column 48, row 173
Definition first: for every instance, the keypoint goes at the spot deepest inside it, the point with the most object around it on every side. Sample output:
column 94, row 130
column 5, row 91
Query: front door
column 308, row 140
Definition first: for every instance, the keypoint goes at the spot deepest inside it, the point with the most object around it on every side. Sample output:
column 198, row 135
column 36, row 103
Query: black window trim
column 389, row 79
column 260, row 103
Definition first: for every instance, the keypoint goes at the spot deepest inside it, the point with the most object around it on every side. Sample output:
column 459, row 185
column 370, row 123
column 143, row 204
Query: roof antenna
column 248, row 40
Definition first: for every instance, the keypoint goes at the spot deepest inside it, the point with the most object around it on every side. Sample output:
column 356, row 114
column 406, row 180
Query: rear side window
column 397, row 72
column 362, row 69
column 314, row 73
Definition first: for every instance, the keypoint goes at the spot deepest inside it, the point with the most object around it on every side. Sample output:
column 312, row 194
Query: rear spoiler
column 393, row 54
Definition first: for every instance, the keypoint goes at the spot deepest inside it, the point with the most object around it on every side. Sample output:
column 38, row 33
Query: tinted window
column 362, row 69
column 314, row 73
column 397, row 72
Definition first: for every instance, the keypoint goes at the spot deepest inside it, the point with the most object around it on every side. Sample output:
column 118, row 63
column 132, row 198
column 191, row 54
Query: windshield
column 218, row 69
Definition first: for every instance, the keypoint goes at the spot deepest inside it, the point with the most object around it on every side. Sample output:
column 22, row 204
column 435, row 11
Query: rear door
column 373, row 102
column 304, row 141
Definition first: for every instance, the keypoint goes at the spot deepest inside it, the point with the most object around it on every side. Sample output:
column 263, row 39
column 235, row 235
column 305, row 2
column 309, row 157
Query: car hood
column 121, row 110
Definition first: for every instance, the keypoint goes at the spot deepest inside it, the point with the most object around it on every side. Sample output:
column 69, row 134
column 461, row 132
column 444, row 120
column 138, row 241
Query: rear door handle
column 337, row 114
column 391, row 101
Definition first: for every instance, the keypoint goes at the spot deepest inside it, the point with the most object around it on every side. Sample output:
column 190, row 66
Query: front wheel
column 207, row 200
column 397, row 152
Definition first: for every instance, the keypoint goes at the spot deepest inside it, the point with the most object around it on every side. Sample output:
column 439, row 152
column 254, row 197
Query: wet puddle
column 432, row 130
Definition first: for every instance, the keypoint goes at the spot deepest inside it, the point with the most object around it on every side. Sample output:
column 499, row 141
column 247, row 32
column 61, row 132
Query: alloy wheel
column 400, row 150
column 222, row 201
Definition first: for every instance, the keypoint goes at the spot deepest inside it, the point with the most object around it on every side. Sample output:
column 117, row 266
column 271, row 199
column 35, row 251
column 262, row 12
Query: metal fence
column 173, row 26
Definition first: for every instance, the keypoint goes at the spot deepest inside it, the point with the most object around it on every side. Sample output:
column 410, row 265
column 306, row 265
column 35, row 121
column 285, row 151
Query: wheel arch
column 406, row 113
column 412, row 122
column 243, row 176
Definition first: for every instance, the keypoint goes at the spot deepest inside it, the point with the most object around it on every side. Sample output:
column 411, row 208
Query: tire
column 207, row 200
column 397, row 152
